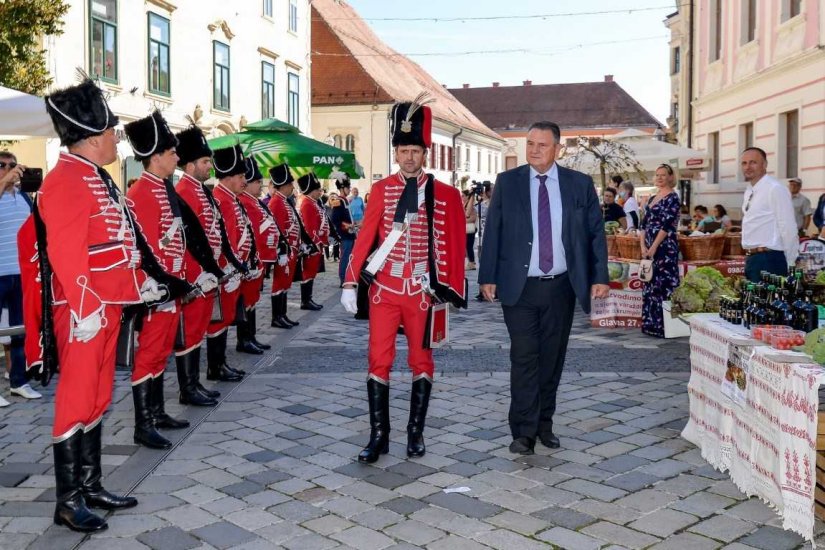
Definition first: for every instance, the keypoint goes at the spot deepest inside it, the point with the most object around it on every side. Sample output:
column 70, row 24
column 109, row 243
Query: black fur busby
column 192, row 145
column 280, row 175
column 150, row 136
column 412, row 122
column 79, row 112
column 308, row 183
column 253, row 172
column 229, row 161
column 342, row 182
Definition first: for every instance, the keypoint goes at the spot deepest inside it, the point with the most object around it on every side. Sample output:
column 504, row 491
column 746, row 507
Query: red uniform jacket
column 163, row 232
column 191, row 191
column 285, row 216
column 315, row 220
column 408, row 259
column 264, row 227
column 29, row 259
column 91, row 243
column 236, row 222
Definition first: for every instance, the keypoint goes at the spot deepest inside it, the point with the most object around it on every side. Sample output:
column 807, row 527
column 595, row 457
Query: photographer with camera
column 15, row 207
column 470, row 220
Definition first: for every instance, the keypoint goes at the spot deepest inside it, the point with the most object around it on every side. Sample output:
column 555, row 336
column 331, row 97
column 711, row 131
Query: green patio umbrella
column 274, row 142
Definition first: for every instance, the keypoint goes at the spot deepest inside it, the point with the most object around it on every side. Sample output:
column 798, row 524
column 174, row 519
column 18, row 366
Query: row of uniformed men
column 189, row 260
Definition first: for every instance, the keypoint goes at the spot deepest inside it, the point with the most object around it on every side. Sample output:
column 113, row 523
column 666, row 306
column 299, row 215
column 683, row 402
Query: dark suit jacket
column 508, row 234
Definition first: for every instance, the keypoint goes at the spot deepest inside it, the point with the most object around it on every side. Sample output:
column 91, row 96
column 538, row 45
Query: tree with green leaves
column 22, row 59
column 605, row 155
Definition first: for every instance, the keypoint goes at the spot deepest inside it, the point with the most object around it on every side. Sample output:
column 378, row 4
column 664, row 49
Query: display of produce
column 701, row 290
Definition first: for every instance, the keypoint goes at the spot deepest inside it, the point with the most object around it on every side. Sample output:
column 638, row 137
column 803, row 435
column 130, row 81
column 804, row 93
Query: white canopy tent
column 23, row 115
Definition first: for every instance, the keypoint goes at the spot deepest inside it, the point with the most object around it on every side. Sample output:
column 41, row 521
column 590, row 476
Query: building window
column 267, row 90
column 293, row 98
column 338, row 141
column 350, row 144
column 442, row 157
column 675, row 61
column 496, row 172
column 489, row 162
column 159, row 54
column 293, row 15
column 478, row 162
column 715, row 30
column 104, row 39
column 713, row 147
column 450, row 159
column 790, row 135
column 268, row 8
column 510, row 162
column 748, row 21
column 220, row 56
column 571, row 142
column 458, row 157
column 745, row 141
column 791, row 8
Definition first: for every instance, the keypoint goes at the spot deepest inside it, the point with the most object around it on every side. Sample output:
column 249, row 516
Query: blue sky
column 633, row 45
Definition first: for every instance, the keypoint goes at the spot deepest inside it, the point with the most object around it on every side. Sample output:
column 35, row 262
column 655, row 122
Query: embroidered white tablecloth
column 755, row 416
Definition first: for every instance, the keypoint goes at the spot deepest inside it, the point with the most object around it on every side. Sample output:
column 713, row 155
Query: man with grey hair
column 801, row 206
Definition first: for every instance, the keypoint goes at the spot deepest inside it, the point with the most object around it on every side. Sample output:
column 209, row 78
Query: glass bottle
column 810, row 313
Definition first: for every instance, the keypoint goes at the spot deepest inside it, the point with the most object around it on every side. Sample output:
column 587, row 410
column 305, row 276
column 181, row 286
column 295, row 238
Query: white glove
column 349, row 299
column 86, row 329
column 283, row 259
column 233, row 283
column 253, row 274
column 207, row 282
column 150, row 291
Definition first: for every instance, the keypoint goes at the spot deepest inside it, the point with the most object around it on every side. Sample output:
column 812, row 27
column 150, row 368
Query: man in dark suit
column 544, row 248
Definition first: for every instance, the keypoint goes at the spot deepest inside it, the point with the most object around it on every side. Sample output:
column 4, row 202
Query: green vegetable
column 701, row 290
column 820, row 278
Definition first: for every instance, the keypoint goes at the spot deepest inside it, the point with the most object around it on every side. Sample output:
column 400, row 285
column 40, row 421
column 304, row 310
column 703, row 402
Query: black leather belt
column 758, row 250
column 549, row 277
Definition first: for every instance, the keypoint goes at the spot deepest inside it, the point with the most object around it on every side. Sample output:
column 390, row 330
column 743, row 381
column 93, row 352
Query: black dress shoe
column 260, row 345
column 549, row 440
column 522, row 446
column 214, row 394
column 280, row 322
column 310, row 306
column 290, row 321
column 319, row 306
column 246, row 346
column 108, row 501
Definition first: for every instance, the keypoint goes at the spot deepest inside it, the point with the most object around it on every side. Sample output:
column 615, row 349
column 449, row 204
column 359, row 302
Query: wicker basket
column 629, row 247
column 612, row 247
column 704, row 248
column 733, row 245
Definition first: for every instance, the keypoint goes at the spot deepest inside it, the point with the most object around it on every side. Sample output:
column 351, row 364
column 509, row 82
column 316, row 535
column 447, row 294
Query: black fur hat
column 192, row 145
column 229, row 161
column 280, row 175
column 308, row 183
column 253, row 173
column 150, row 136
column 79, row 112
column 412, row 122
column 342, row 182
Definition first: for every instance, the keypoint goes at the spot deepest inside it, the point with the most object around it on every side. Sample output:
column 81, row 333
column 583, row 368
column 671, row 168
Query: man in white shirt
column 769, row 234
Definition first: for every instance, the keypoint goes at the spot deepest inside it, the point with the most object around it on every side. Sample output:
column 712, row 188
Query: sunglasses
column 11, row 165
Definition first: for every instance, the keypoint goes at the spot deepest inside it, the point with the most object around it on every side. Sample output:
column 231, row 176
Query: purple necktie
column 545, row 228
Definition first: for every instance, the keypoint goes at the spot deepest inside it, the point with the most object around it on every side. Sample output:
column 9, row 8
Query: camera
column 31, row 180
column 477, row 188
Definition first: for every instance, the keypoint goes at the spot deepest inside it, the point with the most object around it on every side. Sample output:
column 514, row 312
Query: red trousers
column 87, row 372
column 251, row 292
column 229, row 301
column 311, row 266
column 156, row 340
column 196, row 316
column 388, row 311
column 282, row 275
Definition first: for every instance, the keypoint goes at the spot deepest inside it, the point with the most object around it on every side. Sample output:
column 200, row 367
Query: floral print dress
column 663, row 215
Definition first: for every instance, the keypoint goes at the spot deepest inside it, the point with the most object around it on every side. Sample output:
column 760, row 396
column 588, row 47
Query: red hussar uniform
column 266, row 244
column 317, row 227
column 286, row 217
column 29, row 260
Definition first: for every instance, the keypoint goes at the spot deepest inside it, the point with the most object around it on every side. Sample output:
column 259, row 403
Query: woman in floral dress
column 659, row 243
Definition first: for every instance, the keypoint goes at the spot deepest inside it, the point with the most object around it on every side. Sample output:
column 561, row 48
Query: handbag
column 471, row 228
column 646, row 270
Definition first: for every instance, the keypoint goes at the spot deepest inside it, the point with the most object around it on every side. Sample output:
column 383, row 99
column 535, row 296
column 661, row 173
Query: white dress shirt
column 630, row 205
column 768, row 218
column 554, row 194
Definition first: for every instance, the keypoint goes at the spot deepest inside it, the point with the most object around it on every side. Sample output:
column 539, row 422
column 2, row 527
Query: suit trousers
column 772, row 261
column 539, row 325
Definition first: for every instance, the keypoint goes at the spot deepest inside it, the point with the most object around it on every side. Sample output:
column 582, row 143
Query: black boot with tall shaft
column 252, row 318
column 216, row 368
column 244, row 333
column 91, row 473
column 146, row 433
column 284, row 306
column 378, row 397
column 71, row 509
column 306, row 297
column 278, row 320
column 158, row 407
column 188, row 377
column 419, row 401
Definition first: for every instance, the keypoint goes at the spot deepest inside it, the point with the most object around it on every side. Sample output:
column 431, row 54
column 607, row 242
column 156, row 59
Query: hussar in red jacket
column 286, row 217
column 316, row 226
column 411, row 247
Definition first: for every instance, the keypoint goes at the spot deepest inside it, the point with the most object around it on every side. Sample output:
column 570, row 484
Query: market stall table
column 753, row 413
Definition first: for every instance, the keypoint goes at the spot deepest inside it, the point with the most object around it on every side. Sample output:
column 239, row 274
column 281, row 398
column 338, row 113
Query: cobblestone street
column 273, row 466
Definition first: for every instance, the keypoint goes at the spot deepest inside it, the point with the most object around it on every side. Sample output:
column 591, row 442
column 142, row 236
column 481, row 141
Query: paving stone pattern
column 273, row 466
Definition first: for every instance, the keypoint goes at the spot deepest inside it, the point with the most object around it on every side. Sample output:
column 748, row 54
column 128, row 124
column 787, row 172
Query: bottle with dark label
column 810, row 313
column 787, row 309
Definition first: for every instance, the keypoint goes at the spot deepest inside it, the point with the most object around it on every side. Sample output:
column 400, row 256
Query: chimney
column 495, row 84
column 608, row 78
column 527, row 82
column 465, row 86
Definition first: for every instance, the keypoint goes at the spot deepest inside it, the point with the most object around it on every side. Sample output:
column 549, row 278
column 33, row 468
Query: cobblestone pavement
column 273, row 465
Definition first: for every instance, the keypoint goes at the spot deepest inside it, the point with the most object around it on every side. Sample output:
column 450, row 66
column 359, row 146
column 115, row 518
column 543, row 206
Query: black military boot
column 278, row 320
column 306, row 297
column 245, row 343
column 252, row 319
column 378, row 396
column 145, row 432
column 189, row 380
column 71, row 509
column 311, row 291
column 216, row 360
column 284, row 308
column 419, row 400
column 158, row 407
column 90, row 473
